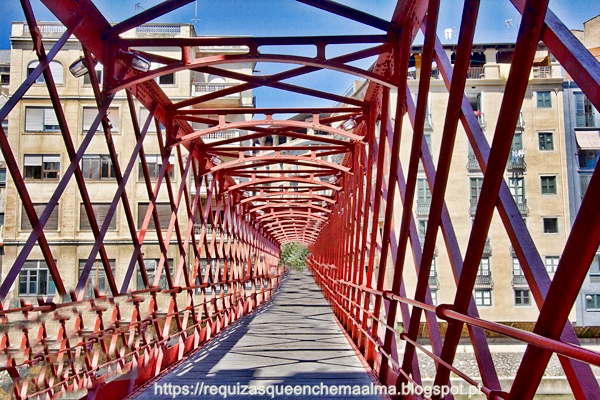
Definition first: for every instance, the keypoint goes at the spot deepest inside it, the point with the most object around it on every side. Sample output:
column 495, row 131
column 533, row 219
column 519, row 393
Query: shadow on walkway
column 294, row 340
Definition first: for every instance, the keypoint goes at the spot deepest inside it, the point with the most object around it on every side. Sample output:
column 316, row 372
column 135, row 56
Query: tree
column 293, row 255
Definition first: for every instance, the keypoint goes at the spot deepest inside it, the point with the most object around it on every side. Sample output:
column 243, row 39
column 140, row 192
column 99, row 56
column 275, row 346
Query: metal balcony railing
column 200, row 88
column 475, row 73
column 522, row 206
column 434, row 282
column 219, row 135
column 484, row 281
column 516, row 161
column 481, row 120
column 472, row 163
column 423, row 207
column 519, row 282
column 487, row 249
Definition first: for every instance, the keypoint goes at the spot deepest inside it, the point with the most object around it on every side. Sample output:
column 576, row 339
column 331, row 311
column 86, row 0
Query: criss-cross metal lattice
column 332, row 178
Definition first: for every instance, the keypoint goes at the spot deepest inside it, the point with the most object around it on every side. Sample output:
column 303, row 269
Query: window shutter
column 89, row 114
column 32, row 161
column 57, row 72
column 34, row 119
column 52, row 158
column 101, row 210
column 113, row 116
column 50, row 117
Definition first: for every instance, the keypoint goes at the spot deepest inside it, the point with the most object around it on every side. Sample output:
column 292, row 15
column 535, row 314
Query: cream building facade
column 34, row 131
column 536, row 174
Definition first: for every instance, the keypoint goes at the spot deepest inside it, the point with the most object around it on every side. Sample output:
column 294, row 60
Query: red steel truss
column 335, row 192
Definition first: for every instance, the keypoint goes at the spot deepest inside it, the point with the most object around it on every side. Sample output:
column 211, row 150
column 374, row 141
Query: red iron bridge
column 216, row 306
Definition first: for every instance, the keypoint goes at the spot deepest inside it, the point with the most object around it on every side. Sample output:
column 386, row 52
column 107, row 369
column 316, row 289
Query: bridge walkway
column 292, row 341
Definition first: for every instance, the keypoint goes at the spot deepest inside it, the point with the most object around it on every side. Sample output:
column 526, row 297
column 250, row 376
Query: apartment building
column 34, row 132
column 582, row 144
column 535, row 173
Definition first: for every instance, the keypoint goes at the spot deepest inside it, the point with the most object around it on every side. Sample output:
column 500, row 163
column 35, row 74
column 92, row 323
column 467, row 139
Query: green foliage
column 293, row 255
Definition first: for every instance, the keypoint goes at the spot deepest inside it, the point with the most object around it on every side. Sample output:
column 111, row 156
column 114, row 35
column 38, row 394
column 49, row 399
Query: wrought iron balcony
column 520, row 121
column 423, row 207
column 434, row 283
column 484, row 281
column 473, row 207
column 481, row 120
column 200, row 88
column 516, row 161
column 472, row 163
column 519, row 282
column 522, row 206
column 475, row 73
column 487, row 249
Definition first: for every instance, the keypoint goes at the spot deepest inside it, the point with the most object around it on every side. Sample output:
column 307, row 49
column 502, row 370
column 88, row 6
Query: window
column 151, row 266
column 98, row 70
column 546, row 141
column 1, row 218
column 423, row 191
column 551, row 263
column 97, row 278
column 592, row 302
column 550, row 225
column 164, row 215
column 584, row 111
column 548, row 184
column 422, row 227
column 5, row 126
column 51, row 224
column 543, row 99
column 517, row 189
column 154, row 162
column 39, row 119
column 90, row 114
column 152, row 127
column 522, row 297
column 35, row 279
column 517, row 271
column 2, row 177
column 100, row 211
column 584, row 181
column 38, row 166
column 434, row 299
column 484, row 267
column 168, row 79
column 483, row 297
column 55, row 67
column 476, row 184
column 97, row 167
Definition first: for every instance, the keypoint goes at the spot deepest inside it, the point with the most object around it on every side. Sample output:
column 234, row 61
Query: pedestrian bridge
column 221, row 184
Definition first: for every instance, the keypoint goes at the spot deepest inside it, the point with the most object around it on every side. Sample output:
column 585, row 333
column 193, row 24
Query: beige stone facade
column 41, row 155
column 536, row 174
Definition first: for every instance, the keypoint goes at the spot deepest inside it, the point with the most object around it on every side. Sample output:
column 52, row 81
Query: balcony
column 472, row 163
column 475, row 73
column 487, row 249
column 516, row 161
column 434, row 283
column 423, row 206
column 221, row 135
column 483, row 281
column 522, row 206
column 542, row 72
column 519, row 282
column 481, row 120
column 209, row 230
column 422, row 242
column 201, row 88
column 473, row 207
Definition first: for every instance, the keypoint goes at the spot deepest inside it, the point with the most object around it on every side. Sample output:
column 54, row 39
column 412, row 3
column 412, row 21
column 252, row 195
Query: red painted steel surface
column 336, row 192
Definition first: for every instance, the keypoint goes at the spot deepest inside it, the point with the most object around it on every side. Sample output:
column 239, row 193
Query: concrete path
column 292, row 343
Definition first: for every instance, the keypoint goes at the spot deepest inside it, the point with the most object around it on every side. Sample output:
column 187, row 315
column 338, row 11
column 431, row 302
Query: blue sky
column 288, row 17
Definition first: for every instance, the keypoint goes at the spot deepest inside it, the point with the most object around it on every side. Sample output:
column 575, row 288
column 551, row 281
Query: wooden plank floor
column 294, row 340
